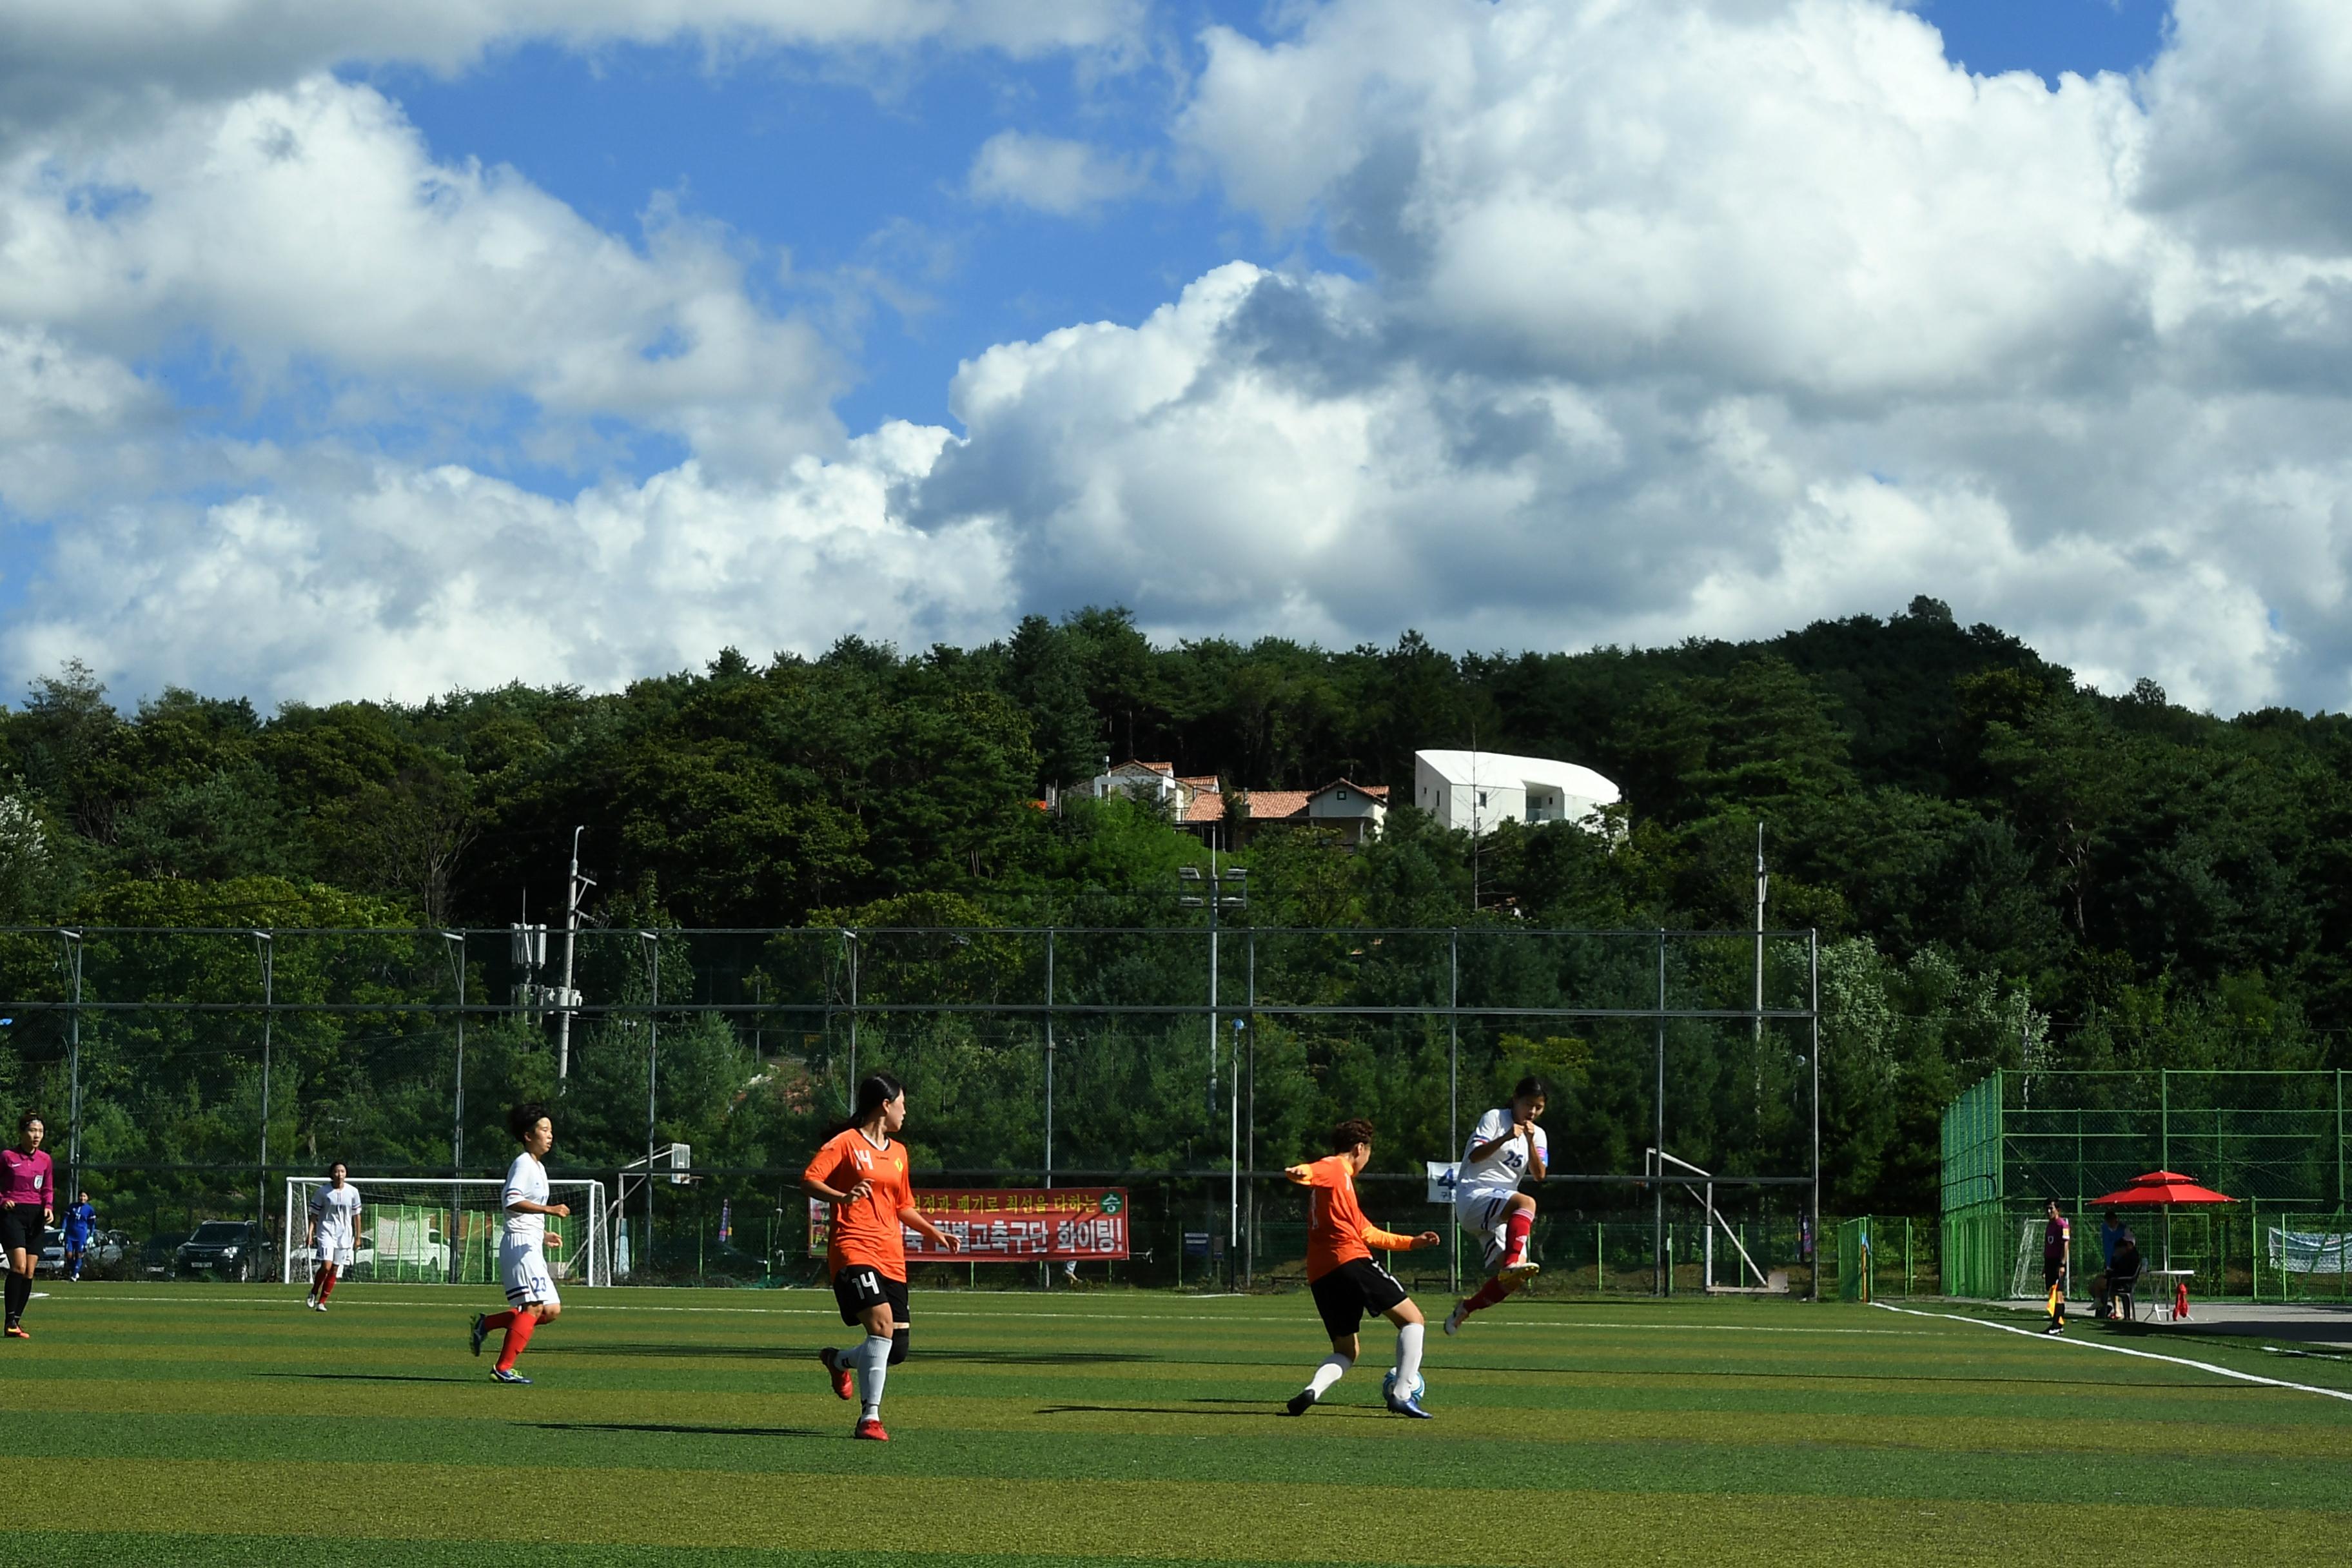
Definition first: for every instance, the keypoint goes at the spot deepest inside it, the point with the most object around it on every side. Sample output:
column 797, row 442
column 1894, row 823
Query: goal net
column 2025, row 1284
column 445, row 1230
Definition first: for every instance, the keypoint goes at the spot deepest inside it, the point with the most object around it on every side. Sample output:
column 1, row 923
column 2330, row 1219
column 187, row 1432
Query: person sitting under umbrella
column 2121, row 1279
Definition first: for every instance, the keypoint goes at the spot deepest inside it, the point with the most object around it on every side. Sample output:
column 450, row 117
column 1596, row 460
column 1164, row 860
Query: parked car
column 106, row 1248
column 228, row 1247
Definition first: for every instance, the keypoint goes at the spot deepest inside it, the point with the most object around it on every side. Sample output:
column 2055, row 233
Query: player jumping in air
column 861, row 1170
column 522, row 1256
column 1346, row 1284
column 1505, row 1148
column 334, row 1232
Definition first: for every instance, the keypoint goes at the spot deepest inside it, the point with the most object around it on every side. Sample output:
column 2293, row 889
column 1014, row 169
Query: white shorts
column 335, row 1249
column 523, row 1271
column 1485, row 1213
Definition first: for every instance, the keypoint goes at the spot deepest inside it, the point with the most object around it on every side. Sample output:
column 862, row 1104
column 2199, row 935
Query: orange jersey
column 1337, row 1230
column 867, row 1230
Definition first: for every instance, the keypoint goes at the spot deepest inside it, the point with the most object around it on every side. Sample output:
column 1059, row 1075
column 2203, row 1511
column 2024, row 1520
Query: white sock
column 1334, row 1367
column 1408, row 1361
column 873, row 1362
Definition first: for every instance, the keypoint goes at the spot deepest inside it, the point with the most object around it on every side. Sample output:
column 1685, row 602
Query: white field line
column 1073, row 1315
column 2126, row 1350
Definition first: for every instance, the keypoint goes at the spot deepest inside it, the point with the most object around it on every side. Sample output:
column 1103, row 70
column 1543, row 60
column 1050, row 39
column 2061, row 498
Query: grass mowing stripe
column 1437, row 1459
column 1168, row 1520
column 53, row 1548
column 2345, row 1395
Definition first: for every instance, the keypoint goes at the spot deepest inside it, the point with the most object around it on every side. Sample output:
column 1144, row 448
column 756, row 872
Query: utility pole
column 567, row 998
column 1216, row 898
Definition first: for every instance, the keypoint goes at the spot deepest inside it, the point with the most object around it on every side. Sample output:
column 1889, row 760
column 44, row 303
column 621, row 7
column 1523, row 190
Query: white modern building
column 1475, row 790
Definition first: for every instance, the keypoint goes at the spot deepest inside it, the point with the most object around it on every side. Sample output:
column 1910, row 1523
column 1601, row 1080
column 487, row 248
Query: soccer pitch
column 225, row 1425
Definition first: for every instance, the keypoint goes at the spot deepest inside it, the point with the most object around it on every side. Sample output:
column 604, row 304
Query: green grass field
column 224, row 1424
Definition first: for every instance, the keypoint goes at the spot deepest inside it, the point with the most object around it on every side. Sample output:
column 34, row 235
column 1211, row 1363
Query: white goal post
column 431, row 1230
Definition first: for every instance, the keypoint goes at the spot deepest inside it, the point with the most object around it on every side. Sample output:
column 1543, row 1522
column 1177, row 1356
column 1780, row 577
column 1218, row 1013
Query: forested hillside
column 2000, row 860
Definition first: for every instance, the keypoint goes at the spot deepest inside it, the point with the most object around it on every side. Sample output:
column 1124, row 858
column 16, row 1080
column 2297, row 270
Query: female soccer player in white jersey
column 522, row 1258
column 334, row 1232
column 1505, row 1148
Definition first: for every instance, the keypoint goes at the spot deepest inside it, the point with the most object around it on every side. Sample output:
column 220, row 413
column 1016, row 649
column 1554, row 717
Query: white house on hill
column 1475, row 790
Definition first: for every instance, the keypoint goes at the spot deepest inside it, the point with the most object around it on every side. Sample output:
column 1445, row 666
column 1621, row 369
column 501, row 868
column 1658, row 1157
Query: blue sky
column 376, row 351
column 864, row 170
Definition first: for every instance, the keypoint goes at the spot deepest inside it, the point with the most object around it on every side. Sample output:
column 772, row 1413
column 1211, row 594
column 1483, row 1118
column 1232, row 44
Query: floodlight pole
column 72, row 940
column 268, row 953
column 1658, row 1187
column 1249, row 1234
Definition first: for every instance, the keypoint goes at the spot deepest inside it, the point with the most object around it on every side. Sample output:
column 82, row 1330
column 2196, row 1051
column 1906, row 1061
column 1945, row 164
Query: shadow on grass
column 364, row 1376
column 793, row 1353
column 668, row 1430
column 1252, row 1407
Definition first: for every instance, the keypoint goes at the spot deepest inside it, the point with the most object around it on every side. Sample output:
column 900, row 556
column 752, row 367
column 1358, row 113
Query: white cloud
column 367, row 578
column 1050, row 173
column 95, row 63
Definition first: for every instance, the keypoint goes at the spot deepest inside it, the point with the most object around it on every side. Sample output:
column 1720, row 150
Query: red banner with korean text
column 1004, row 1225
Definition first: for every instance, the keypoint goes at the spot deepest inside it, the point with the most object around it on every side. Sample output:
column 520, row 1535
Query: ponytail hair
column 875, row 1090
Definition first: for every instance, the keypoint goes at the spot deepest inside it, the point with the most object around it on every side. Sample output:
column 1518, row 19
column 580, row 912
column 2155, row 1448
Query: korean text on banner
column 1005, row 1223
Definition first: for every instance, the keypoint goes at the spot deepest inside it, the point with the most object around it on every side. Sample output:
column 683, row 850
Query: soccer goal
column 2025, row 1282
column 445, row 1230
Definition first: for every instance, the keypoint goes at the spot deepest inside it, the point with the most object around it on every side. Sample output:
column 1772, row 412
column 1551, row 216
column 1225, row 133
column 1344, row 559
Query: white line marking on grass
column 2126, row 1350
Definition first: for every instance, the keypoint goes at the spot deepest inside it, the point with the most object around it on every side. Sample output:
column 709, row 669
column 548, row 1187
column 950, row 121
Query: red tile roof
column 1276, row 805
column 1208, row 805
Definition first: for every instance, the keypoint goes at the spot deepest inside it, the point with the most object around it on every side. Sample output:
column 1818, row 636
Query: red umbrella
column 2159, row 1189
column 2164, row 1190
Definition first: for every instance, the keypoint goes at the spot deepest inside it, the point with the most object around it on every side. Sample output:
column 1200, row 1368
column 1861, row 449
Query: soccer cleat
column 312, row 1299
column 1525, row 1268
column 1410, row 1407
column 870, row 1429
column 478, row 1333
column 15, row 1332
column 1300, row 1402
column 317, row 1305
column 1455, row 1320
column 508, row 1375
column 831, row 1359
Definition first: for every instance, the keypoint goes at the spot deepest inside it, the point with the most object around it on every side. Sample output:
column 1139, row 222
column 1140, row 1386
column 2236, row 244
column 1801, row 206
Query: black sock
column 20, row 1291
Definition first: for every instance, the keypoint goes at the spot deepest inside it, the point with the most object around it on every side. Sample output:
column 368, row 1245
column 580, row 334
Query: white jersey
column 526, row 1180
column 335, row 1211
column 1503, row 1169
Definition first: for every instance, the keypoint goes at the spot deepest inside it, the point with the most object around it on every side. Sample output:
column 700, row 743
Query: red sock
column 518, row 1336
column 1490, row 1294
column 496, row 1321
column 316, row 1275
column 1515, row 1235
column 326, row 1284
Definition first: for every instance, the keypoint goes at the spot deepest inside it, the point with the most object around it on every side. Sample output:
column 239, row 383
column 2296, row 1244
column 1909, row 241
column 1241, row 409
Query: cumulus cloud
column 94, row 64
column 311, row 226
column 364, row 577
column 1049, row 173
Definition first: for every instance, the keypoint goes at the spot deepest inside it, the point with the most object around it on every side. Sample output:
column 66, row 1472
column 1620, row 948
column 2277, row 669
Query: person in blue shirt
column 81, row 1223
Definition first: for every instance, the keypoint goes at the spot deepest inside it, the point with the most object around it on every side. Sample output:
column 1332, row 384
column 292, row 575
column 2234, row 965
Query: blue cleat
column 1410, row 1407
column 508, row 1375
column 479, row 1333
column 1405, row 1400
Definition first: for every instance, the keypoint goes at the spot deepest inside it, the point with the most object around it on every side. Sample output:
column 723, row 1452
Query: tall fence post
column 72, row 940
column 1813, row 964
column 1453, row 1098
column 1049, row 1062
column 268, row 947
column 1249, row 1231
column 644, row 1257
column 1657, row 1184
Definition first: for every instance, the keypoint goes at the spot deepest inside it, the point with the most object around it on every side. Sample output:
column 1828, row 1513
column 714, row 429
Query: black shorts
column 2052, row 1267
column 21, row 1227
column 858, row 1287
column 1357, row 1290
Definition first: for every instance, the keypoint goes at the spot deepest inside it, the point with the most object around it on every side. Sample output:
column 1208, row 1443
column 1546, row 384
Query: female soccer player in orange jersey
column 861, row 1170
column 1346, row 1284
